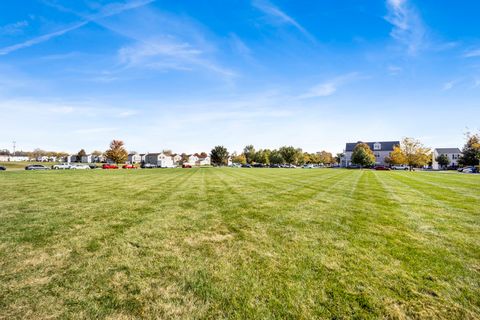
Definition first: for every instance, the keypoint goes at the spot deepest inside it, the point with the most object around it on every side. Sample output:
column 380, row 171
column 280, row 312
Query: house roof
column 385, row 145
column 447, row 150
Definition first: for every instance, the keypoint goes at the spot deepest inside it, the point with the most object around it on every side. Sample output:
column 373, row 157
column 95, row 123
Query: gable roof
column 385, row 145
column 447, row 150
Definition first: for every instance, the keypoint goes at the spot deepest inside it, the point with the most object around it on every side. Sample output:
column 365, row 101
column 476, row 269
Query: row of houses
column 163, row 160
column 382, row 149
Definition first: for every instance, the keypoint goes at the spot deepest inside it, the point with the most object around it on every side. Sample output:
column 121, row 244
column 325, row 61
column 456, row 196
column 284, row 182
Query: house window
column 377, row 146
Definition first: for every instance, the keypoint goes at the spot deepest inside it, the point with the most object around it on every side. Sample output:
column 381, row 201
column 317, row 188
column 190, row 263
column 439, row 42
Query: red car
column 186, row 165
column 129, row 166
column 109, row 166
column 381, row 168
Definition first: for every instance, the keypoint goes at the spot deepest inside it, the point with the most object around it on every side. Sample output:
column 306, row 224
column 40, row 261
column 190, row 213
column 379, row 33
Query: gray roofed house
column 453, row 155
column 381, row 150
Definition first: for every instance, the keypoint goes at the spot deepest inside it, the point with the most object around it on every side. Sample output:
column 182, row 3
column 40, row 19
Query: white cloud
column 272, row 11
column 408, row 27
column 107, row 11
column 14, row 28
column 329, row 87
column 472, row 53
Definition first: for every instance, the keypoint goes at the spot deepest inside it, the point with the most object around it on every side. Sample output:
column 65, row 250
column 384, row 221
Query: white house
column 71, row 158
column 160, row 159
column 177, row 158
column 89, row 158
column 203, row 161
column 381, row 150
column 453, row 155
column 192, row 159
column 134, row 158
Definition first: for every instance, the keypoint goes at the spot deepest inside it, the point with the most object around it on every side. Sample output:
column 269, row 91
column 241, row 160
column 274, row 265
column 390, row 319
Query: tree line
column 284, row 155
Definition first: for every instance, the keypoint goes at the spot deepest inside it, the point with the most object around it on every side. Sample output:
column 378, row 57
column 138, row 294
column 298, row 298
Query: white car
column 400, row 167
column 80, row 167
column 62, row 166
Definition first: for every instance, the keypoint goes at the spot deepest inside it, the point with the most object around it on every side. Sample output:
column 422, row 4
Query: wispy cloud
column 408, row 27
column 165, row 53
column 449, row 85
column 329, row 87
column 106, row 11
column 14, row 28
column 472, row 53
column 274, row 12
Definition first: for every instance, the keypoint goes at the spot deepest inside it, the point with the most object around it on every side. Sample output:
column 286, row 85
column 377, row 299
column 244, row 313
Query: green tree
column 339, row 157
column 443, row 160
column 471, row 150
column 117, row 152
column 249, row 152
column 276, row 157
column 289, row 154
column 363, row 155
column 219, row 156
column 262, row 156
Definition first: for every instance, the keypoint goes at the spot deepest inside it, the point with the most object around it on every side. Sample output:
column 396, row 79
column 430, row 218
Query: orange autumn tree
column 117, row 152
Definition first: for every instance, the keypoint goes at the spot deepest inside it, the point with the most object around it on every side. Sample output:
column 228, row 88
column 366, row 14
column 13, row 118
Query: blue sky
column 188, row 75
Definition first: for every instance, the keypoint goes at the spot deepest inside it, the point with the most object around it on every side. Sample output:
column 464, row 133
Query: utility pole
column 14, row 145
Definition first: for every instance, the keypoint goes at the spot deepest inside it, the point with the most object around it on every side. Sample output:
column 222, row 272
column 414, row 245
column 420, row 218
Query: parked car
column 79, row 166
column 246, row 165
column 129, row 166
column 36, row 167
column 308, row 166
column 62, row 166
column 109, row 166
column 469, row 170
column 259, row 165
column 275, row 166
column 186, row 165
column 381, row 168
column 93, row 166
column 353, row 166
column 147, row 166
column 2, row 168
column 400, row 167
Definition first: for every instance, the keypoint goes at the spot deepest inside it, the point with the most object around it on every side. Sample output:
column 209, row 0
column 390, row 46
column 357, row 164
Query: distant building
column 71, row 158
column 381, row 150
column 177, row 159
column 159, row 159
column 89, row 158
column 134, row 158
column 453, row 154
column 203, row 161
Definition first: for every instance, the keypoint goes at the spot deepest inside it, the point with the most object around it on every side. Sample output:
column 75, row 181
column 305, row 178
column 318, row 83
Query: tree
column 325, row 157
column 443, row 160
column 339, row 157
column 396, row 157
column 249, row 152
column 471, row 150
column 219, row 156
column 239, row 158
column 289, row 154
column 363, row 155
column 416, row 155
column 117, row 152
column 262, row 156
column 184, row 158
column 167, row 152
column 276, row 157
column 81, row 154
column 97, row 153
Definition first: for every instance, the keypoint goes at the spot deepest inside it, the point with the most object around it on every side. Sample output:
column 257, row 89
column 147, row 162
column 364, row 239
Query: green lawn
column 239, row 243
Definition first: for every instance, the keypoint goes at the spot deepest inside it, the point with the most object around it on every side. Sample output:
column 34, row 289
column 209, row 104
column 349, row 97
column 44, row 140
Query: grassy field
column 238, row 244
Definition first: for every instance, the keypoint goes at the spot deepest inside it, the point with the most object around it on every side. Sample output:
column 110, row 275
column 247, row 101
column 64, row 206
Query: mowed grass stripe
column 239, row 243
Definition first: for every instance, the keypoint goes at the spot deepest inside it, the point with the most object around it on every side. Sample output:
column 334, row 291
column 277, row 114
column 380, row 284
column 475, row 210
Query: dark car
column 275, row 166
column 93, row 166
column 147, row 166
column 259, row 165
column 381, row 168
column 36, row 167
column 186, row 165
column 246, row 165
column 2, row 168
column 353, row 166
